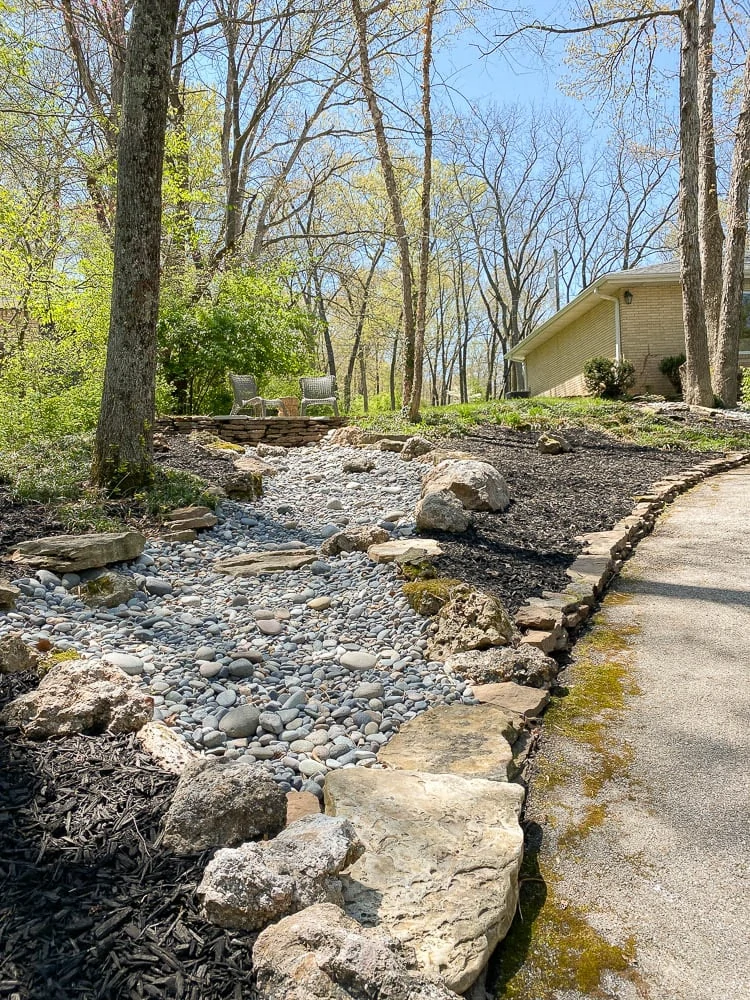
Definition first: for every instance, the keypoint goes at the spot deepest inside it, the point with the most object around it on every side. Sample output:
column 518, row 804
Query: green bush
column 670, row 367
column 745, row 387
column 608, row 379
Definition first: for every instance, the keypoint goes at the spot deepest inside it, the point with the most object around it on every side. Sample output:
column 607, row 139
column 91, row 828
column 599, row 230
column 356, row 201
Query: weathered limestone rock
column 357, row 538
column 222, row 803
column 470, row 620
column 427, row 597
column 442, row 511
column 109, row 590
column 441, row 862
column 591, row 571
column 259, row 563
column 538, row 615
column 252, row 885
column 438, row 455
column 73, row 553
column 358, row 465
column 191, row 519
column 389, row 444
column 321, row 954
column 163, row 744
column 524, row 664
column 15, row 655
column 548, row 641
column 405, row 550
column 471, row 740
column 415, row 447
column 80, row 696
column 299, row 804
column 351, row 437
column 214, row 445
column 527, row 702
column 182, row 535
column 254, row 466
column 478, row 485
column 553, row 443
column 264, row 450
column 243, row 486
column 8, row 595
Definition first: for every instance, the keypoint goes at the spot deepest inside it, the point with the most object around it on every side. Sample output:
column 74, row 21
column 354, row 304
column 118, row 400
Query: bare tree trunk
column 394, row 363
column 363, row 380
column 394, row 199
column 361, row 317
column 726, row 361
column 710, row 230
column 697, row 382
column 424, row 236
column 123, row 452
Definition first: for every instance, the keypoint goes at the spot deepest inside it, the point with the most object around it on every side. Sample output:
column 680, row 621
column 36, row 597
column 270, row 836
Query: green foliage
column 745, row 387
column 671, row 368
column 608, row 379
column 246, row 326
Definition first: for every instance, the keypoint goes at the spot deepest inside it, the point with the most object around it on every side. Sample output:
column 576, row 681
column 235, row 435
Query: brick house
column 634, row 314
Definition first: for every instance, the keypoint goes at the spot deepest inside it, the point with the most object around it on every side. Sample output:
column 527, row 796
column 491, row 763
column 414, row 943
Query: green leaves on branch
column 608, row 379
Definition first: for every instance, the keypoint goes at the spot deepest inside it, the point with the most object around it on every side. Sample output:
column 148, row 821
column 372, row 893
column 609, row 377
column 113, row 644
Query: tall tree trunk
column 697, row 382
column 123, row 450
column 394, row 199
column 726, row 361
column 424, row 236
column 361, row 317
column 710, row 230
column 394, row 364
column 363, row 381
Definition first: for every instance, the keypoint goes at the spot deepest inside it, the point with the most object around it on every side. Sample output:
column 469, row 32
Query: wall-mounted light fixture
column 628, row 296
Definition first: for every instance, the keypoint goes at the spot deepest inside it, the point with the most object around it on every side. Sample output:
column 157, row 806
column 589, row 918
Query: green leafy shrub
column 670, row 367
column 608, row 379
column 745, row 387
column 245, row 325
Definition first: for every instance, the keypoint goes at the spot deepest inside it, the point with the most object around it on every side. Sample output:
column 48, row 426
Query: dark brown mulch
column 21, row 519
column 526, row 549
column 91, row 908
column 188, row 456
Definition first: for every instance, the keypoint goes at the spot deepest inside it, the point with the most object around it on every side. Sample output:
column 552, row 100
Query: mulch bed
column 554, row 498
column 91, row 908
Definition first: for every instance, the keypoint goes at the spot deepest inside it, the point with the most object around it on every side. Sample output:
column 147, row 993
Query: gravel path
column 666, row 862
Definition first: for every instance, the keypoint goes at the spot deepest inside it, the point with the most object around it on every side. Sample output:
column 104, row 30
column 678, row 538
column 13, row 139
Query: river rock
column 470, row 620
column 471, row 740
column 80, row 696
column 241, row 722
column 321, row 953
column 478, row 485
column 441, row 510
column 260, row 563
column 524, row 665
column 222, row 803
column 252, row 885
column 72, row 553
column 441, row 862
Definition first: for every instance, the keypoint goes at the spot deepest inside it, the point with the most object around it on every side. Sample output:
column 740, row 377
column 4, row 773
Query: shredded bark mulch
column 554, row 498
column 91, row 907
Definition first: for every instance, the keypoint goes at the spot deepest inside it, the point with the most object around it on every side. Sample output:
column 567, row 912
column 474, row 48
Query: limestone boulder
column 405, row 550
column 254, row 466
column 243, row 485
column 478, row 485
column 348, row 437
column 519, row 699
column 321, row 954
column 471, row 619
column 523, row 664
column 167, row 749
column 553, row 443
column 223, row 803
column 261, row 563
column 357, row 538
column 251, row 886
column 415, row 447
column 390, row 444
column 8, row 595
column 108, row 590
column 15, row 655
column 190, row 519
column 299, row 804
column 438, row 455
column 442, row 511
column 264, row 450
column 440, row 867
column 80, row 696
column 73, row 553
column 471, row 740
column 358, row 465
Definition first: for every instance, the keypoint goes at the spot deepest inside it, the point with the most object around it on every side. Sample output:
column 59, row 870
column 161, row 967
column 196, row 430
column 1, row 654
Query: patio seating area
column 314, row 391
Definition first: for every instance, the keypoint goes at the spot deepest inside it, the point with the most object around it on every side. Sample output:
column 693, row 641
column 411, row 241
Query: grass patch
column 619, row 419
column 55, row 471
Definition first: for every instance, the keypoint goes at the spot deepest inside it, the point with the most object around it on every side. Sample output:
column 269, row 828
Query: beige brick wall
column 652, row 329
column 556, row 367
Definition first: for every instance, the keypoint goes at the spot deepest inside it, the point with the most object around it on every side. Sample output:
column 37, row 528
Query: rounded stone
column 240, row 722
column 358, row 660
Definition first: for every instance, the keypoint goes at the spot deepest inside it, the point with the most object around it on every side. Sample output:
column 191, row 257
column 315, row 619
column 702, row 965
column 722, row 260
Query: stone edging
column 287, row 432
column 551, row 621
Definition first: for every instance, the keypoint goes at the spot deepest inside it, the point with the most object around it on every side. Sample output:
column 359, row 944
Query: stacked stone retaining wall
column 290, row 432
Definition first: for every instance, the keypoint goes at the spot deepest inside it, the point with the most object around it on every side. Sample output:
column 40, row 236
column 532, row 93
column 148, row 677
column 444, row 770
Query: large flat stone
column 73, row 553
column 441, row 862
column 470, row 740
column 405, row 550
column 260, row 563
column 528, row 702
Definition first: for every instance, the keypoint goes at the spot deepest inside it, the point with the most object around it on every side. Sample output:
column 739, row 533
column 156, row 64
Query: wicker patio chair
column 245, row 389
column 318, row 391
